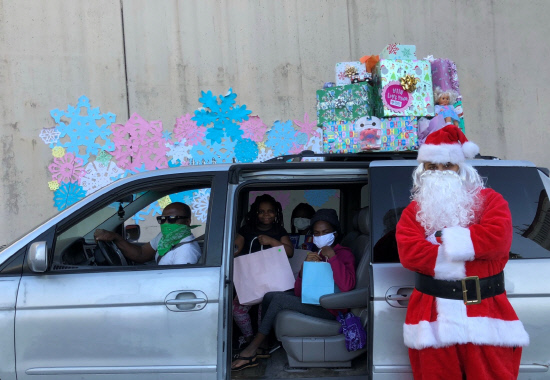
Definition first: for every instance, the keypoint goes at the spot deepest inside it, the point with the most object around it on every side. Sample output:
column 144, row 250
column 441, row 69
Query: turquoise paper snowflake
column 246, row 150
column 184, row 196
column 152, row 210
column 83, row 130
column 67, row 194
column 281, row 137
column 223, row 116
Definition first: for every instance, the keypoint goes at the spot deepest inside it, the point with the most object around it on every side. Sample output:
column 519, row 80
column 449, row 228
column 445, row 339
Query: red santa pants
column 466, row 361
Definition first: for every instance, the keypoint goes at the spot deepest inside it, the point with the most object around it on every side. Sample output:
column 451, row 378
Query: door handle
column 186, row 300
column 398, row 296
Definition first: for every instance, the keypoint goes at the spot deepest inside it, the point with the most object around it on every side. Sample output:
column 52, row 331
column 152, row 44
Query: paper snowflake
column 179, row 151
column 296, row 149
column 215, row 153
column 315, row 144
column 184, row 197
column 103, row 157
column 201, row 201
column 254, row 129
column 164, row 201
column 139, row 143
column 84, row 130
column 50, row 135
column 223, row 116
column 67, row 194
column 53, row 185
column 153, row 209
column 317, row 198
column 281, row 137
column 167, row 135
column 98, row 175
column 188, row 129
column 246, row 150
column 264, row 155
column 58, row 151
column 67, row 168
column 308, row 127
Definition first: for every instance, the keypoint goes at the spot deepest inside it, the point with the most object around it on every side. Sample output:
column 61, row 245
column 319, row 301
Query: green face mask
column 172, row 234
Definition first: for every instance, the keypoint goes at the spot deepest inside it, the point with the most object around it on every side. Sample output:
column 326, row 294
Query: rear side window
column 522, row 187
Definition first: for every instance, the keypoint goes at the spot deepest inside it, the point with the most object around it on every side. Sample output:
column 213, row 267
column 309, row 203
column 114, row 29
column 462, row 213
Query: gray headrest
column 363, row 221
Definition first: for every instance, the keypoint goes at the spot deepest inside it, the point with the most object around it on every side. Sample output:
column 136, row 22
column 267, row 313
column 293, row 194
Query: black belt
column 470, row 289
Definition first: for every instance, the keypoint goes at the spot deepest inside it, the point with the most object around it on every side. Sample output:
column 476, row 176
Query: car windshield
column 522, row 187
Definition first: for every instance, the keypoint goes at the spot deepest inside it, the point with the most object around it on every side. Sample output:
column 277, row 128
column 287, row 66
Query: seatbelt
column 179, row 245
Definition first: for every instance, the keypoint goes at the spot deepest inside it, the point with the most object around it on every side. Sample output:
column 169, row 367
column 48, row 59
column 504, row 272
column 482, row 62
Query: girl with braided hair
column 263, row 227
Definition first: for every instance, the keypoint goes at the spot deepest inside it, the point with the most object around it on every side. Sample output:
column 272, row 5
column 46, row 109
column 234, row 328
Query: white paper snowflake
column 264, row 155
column 99, row 175
column 201, row 201
column 179, row 151
column 50, row 135
column 315, row 144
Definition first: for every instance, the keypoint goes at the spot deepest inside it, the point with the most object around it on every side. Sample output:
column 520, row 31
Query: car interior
column 305, row 346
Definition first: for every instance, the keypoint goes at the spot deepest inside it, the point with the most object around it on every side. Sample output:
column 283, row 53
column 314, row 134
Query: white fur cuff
column 457, row 243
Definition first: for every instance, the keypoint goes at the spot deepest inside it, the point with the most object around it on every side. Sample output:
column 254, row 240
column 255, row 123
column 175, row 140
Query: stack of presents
column 388, row 102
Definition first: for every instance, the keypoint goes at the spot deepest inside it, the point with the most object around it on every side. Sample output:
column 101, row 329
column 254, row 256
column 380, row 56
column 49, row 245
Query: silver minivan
column 70, row 310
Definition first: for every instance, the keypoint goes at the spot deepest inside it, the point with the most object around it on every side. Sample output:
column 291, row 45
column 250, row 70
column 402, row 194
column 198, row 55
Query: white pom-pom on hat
column 447, row 144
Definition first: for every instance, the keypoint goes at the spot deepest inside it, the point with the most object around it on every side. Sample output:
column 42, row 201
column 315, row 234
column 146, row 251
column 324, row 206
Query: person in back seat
column 300, row 226
column 325, row 226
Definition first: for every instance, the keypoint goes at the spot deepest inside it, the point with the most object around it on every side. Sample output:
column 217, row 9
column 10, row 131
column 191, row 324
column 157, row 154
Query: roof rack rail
column 362, row 156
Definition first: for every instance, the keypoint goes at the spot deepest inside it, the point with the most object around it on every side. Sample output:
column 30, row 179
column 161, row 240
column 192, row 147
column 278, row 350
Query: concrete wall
column 155, row 56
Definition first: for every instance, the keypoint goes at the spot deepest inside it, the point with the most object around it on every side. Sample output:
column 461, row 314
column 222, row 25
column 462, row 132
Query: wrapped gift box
column 392, row 100
column 399, row 133
column 398, row 51
column 370, row 133
column 344, row 103
column 359, row 71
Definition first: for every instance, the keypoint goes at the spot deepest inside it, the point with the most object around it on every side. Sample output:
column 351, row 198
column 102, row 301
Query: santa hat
column 448, row 144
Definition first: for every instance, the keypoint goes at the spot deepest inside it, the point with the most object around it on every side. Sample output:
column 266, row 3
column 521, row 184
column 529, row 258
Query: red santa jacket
column 479, row 250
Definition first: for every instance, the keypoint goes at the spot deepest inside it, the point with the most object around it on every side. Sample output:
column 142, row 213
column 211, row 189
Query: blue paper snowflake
column 153, row 209
column 317, row 198
column 167, row 135
column 174, row 164
column 223, row 116
column 218, row 153
column 246, row 150
column 302, row 138
column 83, row 130
column 67, row 194
column 280, row 137
column 184, row 196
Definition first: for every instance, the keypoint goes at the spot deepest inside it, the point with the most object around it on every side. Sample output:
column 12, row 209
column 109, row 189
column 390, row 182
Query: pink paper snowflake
column 393, row 49
column 188, row 129
column 296, row 148
column 254, row 129
column 139, row 143
column 67, row 168
column 308, row 127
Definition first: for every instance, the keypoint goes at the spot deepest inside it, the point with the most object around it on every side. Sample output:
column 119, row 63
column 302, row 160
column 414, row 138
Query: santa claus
column 456, row 236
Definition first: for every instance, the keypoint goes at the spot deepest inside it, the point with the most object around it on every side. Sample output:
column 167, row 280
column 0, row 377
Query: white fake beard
column 443, row 201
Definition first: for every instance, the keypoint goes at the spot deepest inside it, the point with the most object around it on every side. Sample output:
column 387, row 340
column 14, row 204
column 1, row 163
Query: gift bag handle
column 251, row 241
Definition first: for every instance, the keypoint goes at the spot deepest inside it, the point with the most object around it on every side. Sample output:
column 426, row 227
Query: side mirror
column 37, row 257
column 133, row 232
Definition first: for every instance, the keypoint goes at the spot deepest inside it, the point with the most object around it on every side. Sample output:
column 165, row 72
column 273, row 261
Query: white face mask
column 324, row 240
column 301, row 223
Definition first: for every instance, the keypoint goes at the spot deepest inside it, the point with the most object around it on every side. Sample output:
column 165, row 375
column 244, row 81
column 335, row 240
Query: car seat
column 316, row 342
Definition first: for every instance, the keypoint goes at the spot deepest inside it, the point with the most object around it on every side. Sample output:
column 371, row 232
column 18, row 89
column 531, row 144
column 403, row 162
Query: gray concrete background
column 155, row 56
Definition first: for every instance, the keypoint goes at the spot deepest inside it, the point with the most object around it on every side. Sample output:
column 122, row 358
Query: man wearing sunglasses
column 174, row 245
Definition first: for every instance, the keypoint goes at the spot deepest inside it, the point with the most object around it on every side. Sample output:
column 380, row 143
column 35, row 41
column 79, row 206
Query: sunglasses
column 171, row 219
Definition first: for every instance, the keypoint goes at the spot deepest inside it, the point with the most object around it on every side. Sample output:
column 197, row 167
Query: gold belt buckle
column 465, row 291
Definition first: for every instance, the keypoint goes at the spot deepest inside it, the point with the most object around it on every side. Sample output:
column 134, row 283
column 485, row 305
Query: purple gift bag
column 352, row 328
column 444, row 75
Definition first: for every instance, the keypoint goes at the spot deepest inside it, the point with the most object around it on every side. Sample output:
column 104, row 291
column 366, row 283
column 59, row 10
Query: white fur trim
column 447, row 269
column 453, row 326
column 457, row 243
column 470, row 149
column 441, row 154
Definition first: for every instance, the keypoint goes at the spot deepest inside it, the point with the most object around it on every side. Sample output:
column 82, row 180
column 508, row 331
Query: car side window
column 134, row 218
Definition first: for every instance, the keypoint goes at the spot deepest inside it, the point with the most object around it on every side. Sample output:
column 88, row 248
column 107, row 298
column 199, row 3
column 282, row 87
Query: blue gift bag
column 317, row 280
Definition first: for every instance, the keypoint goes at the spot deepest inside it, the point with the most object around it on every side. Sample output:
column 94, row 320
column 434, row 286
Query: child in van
column 325, row 227
column 300, row 226
column 263, row 228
